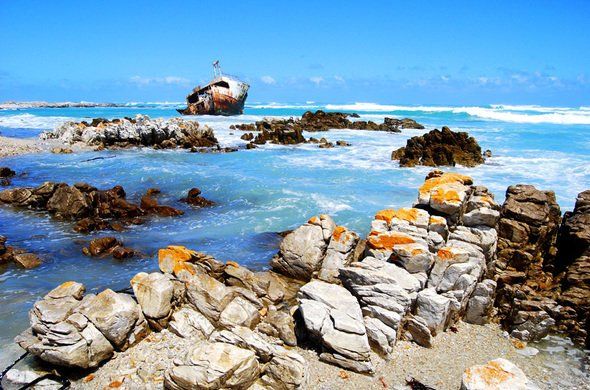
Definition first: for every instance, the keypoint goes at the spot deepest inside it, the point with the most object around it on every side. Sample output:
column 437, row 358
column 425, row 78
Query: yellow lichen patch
column 171, row 258
column 442, row 195
column 388, row 240
column 183, row 266
column 448, row 177
column 445, row 253
column 385, row 215
column 338, row 233
column 406, row 214
column 417, row 251
column 492, row 374
column 436, row 220
column 67, row 284
column 232, row 264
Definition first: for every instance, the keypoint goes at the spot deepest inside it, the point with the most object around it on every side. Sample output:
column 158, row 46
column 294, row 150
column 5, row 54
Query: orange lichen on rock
column 405, row 213
column 314, row 220
column 442, row 195
column 388, row 240
column 232, row 264
column 338, row 232
column 174, row 257
column 445, row 178
column 492, row 374
column 436, row 220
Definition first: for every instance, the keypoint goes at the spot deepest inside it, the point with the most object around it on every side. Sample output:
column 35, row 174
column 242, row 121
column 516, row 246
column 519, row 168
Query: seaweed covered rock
column 439, row 148
column 324, row 121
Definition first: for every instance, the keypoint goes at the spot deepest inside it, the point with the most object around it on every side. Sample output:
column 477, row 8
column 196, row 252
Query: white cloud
column 169, row 80
column 317, row 80
column 269, row 80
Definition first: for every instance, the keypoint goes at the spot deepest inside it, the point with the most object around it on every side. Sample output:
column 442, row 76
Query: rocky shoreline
column 455, row 257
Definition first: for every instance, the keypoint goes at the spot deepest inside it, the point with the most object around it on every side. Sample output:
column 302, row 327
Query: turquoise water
column 266, row 190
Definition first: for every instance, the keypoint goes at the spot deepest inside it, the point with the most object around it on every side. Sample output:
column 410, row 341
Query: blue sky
column 418, row 52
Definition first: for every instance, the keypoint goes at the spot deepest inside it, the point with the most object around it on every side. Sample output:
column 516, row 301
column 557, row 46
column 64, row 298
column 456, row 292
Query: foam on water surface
column 258, row 192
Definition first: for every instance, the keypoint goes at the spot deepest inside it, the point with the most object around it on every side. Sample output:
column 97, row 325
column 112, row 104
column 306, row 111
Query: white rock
column 498, row 374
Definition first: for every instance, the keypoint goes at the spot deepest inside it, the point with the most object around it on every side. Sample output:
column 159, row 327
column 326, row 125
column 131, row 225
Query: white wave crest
column 498, row 112
column 30, row 121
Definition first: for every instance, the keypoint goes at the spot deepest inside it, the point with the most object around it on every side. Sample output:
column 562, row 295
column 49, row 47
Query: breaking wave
column 498, row 112
column 30, row 121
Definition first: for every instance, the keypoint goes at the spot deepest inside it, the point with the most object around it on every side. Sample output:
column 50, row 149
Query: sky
column 397, row 52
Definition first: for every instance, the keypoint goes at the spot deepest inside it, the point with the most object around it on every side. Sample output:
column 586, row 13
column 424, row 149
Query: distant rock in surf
column 21, row 258
column 138, row 132
column 438, row 148
column 324, row 121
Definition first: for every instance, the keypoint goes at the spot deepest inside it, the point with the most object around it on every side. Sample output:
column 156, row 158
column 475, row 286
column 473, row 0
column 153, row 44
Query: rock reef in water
column 438, row 148
column 19, row 257
column 90, row 208
column 6, row 174
column 140, row 131
column 324, row 121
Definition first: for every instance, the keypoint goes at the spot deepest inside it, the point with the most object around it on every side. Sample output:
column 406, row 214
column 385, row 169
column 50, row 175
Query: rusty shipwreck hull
column 224, row 95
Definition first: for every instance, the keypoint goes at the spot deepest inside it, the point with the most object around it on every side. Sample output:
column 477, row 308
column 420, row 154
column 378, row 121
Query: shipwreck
column 224, row 95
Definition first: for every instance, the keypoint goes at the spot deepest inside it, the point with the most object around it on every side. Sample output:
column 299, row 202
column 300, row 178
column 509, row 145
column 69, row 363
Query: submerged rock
column 440, row 147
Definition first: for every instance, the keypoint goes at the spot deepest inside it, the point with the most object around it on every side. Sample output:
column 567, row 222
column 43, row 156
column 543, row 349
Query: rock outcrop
column 72, row 330
column 19, row 257
column 90, row 208
column 574, row 260
column 324, row 121
column 438, row 148
column 140, row 131
column 527, row 289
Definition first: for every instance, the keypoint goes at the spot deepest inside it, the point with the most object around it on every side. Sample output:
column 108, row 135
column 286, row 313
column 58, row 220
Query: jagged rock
column 434, row 309
column 62, row 334
column 188, row 322
column 27, row 260
column 418, row 330
column 214, row 366
column 333, row 317
column 301, row 252
column 437, row 148
column 208, row 295
column 445, row 192
column 496, row 374
column 339, row 253
column 175, row 258
column 481, row 303
column 279, row 324
column 117, row 316
column 16, row 379
column 154, row 293
column 530, row 325
column 194, row 198
column 141, row 131
column 102, row 245
column 285, row 371
column 239, row 312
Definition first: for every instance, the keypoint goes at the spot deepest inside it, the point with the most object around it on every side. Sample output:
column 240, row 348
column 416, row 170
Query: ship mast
column 216, row 69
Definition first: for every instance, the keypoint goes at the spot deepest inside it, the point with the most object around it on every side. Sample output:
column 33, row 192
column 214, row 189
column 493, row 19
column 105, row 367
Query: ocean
column 263, row 191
